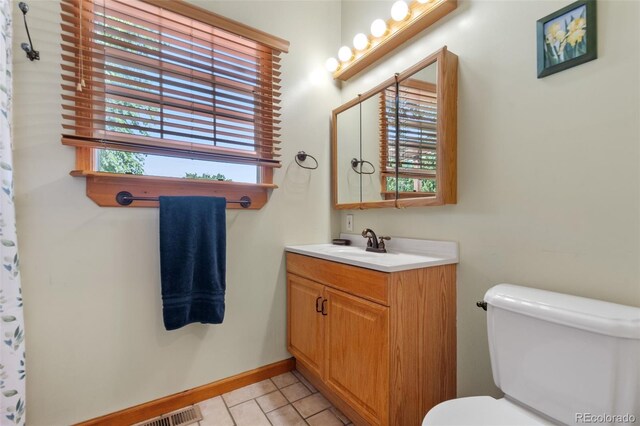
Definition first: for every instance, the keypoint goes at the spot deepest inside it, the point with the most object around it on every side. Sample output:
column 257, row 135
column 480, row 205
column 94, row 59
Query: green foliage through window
column 409, row 185
column 207, row 176
column 121, row 162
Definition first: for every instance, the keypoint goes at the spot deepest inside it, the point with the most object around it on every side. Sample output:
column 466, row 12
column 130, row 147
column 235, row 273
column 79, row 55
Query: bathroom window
column 171, row 94
column 417, row 140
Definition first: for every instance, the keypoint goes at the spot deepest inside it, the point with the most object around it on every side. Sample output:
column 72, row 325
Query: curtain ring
column 302, row 156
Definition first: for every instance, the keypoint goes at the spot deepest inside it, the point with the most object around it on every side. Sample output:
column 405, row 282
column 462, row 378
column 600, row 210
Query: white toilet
column 559, row 359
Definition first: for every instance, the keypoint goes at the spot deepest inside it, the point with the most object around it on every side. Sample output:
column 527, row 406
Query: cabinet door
column 305, row 328
column 357, row 361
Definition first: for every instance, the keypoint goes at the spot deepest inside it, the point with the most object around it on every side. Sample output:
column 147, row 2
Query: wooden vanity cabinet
column 357, row 352
column 381, row 346
column 305, row 325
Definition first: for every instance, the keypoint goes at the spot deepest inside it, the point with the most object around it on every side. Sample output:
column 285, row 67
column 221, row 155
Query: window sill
column 103, row 187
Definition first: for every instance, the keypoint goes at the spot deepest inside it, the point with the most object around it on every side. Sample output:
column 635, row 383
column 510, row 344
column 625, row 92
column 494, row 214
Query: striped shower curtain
column 12, row 371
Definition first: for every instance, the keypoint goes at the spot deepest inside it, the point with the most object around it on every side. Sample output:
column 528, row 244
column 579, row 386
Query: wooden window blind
column 140, row 78
column 417, row 138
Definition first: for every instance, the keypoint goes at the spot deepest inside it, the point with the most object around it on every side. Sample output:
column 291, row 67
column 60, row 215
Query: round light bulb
column 332, row 65
column 399, row 10
column 378, row 28
column 345, row 54
column 360, row 41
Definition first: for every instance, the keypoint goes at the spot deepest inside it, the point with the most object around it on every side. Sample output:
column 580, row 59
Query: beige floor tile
column 215, row 413
column 249, row 414
column 284, row 380
column 285, row 416
column 295, row 391
column 305, row 381
column 249, row 392
column 339, row 414
column 271, row 401
column 324, row 418
column 311, row 405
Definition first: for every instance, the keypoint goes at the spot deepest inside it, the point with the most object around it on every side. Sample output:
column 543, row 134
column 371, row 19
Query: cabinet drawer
column 365, row 283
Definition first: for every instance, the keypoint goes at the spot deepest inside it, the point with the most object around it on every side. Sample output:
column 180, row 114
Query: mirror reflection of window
column 417, row 138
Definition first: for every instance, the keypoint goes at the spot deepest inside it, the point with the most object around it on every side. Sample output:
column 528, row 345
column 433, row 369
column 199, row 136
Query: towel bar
column 125, row 198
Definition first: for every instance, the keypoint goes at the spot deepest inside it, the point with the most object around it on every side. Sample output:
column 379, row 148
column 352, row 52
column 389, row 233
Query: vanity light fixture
column 360, row 42
column 406, row 21
column 399, row 11
column 332, row 65
column 345, row 54
column 378, row 28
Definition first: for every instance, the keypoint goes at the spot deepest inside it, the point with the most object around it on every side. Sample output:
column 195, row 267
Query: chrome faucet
column 375, row 243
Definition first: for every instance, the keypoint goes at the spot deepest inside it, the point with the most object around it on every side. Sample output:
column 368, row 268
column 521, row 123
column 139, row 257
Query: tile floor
column 285, row 400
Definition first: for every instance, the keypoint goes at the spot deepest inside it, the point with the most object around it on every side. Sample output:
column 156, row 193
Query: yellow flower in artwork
column 577, row 24
column 577, row 31
column 556, row 36
column 552, row 31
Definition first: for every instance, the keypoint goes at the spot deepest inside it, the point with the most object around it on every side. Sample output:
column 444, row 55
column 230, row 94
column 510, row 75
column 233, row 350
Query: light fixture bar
column 422, row 16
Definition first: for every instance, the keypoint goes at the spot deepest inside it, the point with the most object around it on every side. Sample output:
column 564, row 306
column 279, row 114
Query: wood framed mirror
column 395, row 145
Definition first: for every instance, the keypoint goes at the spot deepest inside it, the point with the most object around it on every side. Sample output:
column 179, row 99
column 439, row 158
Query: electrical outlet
column 349, row 223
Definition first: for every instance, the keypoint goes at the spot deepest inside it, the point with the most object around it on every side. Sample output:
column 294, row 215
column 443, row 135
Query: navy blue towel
column 193, row 240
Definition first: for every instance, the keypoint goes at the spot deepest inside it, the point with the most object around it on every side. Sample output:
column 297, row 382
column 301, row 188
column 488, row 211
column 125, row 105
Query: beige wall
column 95, row 339
column 549, row 169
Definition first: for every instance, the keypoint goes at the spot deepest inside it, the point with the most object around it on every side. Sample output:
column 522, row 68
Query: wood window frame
column 102, row 187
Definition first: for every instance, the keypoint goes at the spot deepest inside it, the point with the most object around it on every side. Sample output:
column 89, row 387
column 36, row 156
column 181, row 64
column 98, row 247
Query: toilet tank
column 567, row 357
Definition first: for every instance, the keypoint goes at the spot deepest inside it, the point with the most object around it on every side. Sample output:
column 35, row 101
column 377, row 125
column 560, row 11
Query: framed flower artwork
column 567, row 38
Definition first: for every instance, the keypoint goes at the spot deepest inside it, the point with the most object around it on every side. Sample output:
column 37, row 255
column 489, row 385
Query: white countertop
column 402, row 253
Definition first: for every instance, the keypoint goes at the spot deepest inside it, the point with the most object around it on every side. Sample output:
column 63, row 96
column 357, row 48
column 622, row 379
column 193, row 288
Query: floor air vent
column 182, row 417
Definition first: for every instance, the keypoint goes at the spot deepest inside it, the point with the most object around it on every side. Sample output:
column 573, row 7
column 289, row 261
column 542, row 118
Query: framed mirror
column 347, row 128
column 395, row 145
column 357, row 159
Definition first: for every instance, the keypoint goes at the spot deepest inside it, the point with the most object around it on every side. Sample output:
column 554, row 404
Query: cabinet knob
column 324, row 306
column 318, row 304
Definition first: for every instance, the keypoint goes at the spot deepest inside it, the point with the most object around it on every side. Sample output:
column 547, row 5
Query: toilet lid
column 481, row 410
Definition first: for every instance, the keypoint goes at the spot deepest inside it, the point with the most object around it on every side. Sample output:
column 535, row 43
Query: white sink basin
column 348, row 251
column 403, row 253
